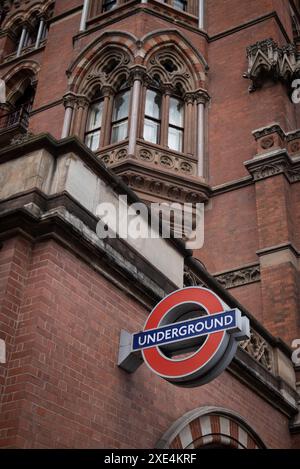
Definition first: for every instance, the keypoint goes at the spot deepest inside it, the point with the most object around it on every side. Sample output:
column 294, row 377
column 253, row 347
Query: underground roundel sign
column 190, row 337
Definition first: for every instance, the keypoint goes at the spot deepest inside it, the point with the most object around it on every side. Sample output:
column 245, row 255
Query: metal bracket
column 128, row 360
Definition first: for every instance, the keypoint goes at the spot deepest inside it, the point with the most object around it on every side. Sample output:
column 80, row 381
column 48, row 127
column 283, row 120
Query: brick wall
column 63, row 388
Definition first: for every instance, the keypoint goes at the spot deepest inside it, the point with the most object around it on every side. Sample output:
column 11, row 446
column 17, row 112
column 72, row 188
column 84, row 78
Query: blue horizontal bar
column 180, row 331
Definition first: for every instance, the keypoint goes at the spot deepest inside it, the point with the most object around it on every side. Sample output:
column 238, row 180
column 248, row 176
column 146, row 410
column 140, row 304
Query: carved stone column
column 69, row 104
column 107, row 92
column 40, row 33
column 165, row 114
column 22, row 40
column 82, row 105
column 202, row 98
column 84, row 15
column 137, row 74
column 201, row 14
column 189, row 123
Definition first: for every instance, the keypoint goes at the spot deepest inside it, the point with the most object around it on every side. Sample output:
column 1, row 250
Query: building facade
column 191, row 101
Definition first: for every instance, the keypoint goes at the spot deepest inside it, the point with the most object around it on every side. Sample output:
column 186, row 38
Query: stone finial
column 266, row 60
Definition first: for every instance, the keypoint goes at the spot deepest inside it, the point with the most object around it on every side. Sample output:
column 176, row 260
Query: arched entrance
column 211, row 428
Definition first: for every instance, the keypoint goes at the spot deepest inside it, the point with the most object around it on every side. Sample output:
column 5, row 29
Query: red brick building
column 177, row 101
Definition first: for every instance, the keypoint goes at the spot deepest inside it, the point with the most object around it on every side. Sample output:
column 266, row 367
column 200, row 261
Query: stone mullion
column 165, row 119
column 106, row 125
column 188, row 124
column 80, row 117
column 69, row 104
column 22, row 40
column 193, row 7
column 137, row 77
column 106, row 117
column 85, row 15
column 40, row 32
column 95, row 8
column 202, row 98
column 142, row 112
column 201, row 14
column 82, row 122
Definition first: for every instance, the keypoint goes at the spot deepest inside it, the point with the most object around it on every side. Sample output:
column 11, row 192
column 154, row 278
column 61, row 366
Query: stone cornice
column 39, row 217
column 31, row 143
column 238, row 277
column 274, row 164
column 278, row 248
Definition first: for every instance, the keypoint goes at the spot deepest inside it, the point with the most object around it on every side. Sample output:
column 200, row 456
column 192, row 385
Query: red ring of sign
column 167, row 367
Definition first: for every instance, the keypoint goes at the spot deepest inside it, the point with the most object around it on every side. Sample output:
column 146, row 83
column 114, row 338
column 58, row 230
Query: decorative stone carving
column 163, row 189
column 169, row 72
column 293, row 142
column 146, row 155
column 266, row 60
column 275, row 152
column 239, row 277
column 105, row 159
column 166, row 161
column 267, row 170
column 271, row 137
column 121, row 154
column 19, row 139
column 186, row 167
column 190, row 279
column 259, row 349
column 105, row 74
column 293, row 174
column 273, row 165
column 267, row 142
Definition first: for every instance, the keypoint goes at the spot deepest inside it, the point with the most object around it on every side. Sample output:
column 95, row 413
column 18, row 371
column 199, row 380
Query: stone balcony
column 157, row 173
column 12, row 124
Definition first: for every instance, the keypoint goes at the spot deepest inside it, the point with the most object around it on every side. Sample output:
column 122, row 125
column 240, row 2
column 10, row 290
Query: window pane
column 121, row 106
column 151, row 131
column 176, row 112
column 119, row 132
column 179, row 4
column 153, row 104
column 95, row 116
column 175, row 139
column 92, row 140
column 108, row 5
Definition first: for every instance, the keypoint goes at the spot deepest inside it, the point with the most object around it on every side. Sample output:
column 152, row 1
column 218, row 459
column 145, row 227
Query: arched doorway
column 210, row 428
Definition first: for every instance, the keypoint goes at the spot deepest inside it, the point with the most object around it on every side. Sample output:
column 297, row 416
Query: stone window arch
column 210, row 428
column 27, row 30
column 101, row 108
column 160, row 76
column 172, row 83
column 20, row 92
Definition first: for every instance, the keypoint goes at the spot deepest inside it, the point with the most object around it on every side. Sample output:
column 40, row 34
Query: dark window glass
column 108, row 5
